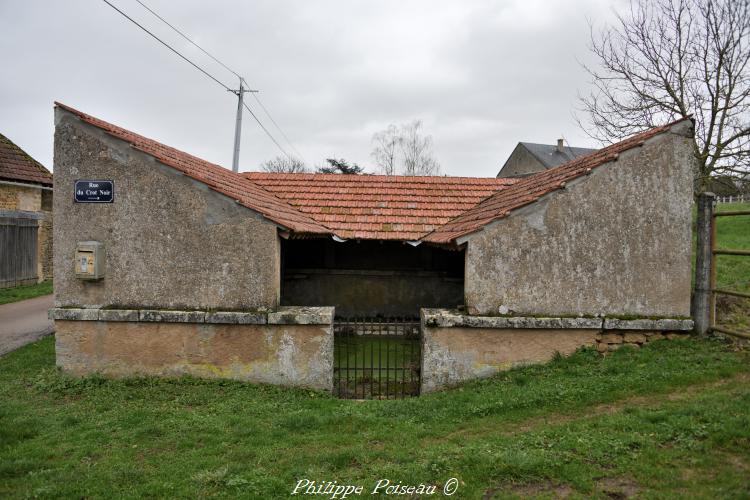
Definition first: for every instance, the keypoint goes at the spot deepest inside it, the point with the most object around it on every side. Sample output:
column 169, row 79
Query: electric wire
column 265, row 130
column 183, row 35
column 168, row 46
column 226, row 87
column 214, row 58
column 277, row 126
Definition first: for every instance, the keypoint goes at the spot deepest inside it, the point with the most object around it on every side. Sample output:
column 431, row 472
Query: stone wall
column 291, row 347
column 615, row 242
column 169, row 241
column 457, row 347
column 28, row 199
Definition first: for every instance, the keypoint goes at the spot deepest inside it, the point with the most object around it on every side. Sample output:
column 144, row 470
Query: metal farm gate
column 377, row 358
column 18, row 248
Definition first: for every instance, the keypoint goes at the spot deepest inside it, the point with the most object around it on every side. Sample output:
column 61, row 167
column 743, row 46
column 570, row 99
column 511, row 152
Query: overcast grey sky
column 482, row 75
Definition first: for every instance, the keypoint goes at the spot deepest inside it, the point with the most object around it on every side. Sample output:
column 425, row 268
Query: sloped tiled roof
column 17, row 166
column 224, row 181
column 529, row 189
column 432, row 209
column 379, row 206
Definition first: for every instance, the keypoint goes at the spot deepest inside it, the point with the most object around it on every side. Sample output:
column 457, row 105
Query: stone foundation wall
column 611, row 340
column 457, row 347
column 290, row 347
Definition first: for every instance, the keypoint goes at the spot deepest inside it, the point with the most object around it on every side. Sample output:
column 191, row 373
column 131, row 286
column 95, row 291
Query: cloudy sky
column 482, row 75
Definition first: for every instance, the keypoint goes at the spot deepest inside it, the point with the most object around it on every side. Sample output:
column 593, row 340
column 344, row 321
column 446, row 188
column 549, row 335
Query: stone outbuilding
column 189, row 268
column 25, row 217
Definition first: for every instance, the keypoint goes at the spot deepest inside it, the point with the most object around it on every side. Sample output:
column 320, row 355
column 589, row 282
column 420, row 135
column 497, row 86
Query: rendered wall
column 458, row 347
column 616, row 241
column 290, row 355
column 454, row 355
column 169, row 241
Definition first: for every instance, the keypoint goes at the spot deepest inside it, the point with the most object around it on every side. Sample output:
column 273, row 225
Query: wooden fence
column 18, row 248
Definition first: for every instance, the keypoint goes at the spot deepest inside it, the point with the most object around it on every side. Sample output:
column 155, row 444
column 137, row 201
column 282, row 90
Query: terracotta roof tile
column 224, row 181
column 17, row 166
column 530, row 189
column 379, row 206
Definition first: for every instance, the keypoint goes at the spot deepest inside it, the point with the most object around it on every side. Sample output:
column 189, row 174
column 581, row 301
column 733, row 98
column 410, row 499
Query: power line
column 255, row 96
column 266, row 130
column 277, row 126
column 183, row 35
column 168, row 46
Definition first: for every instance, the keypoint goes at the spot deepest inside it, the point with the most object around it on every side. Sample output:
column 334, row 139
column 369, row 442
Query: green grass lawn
column 668, row 420
column 8, row 295
column 733, row 271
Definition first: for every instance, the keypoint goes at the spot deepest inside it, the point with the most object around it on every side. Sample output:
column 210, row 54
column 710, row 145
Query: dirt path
column 24, row 322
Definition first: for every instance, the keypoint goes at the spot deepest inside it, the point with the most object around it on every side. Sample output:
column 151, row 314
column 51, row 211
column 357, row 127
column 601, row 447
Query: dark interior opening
column 370, row 278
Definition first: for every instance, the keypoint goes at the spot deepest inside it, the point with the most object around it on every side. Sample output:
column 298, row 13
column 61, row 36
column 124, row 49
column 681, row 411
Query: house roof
column 224, row 181
column 379, row 206
column 550, row 157
column 433, row 209
column 529, row 189
column 17, row 166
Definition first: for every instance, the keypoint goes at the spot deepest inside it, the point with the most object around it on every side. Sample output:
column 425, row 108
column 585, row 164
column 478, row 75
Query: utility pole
column 238, row 124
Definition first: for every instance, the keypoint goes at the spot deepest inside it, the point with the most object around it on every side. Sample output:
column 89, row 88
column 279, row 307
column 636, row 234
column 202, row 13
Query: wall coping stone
column 648, row 324
column 445, row 318
column 118, row 315
column 158, row 316
column 301, row 315
column 283, row 316
column 237, row 318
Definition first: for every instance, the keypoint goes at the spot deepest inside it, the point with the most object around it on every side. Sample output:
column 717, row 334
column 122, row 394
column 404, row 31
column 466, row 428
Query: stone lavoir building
column 25, row 217
column 184, row 267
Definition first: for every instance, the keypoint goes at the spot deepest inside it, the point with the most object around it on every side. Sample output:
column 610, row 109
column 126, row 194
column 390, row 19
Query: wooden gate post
column 701, row 306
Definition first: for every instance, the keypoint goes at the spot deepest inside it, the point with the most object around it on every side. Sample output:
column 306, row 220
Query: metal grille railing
column 377, row 358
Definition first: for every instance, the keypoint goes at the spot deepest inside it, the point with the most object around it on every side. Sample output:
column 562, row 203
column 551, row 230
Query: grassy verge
column 667, row 420
column 8, row 295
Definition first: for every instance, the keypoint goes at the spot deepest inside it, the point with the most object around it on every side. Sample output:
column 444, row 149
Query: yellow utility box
column 89, row 260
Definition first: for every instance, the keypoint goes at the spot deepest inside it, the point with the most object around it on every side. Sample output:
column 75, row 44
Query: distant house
column 25, row 217
column 528, row 158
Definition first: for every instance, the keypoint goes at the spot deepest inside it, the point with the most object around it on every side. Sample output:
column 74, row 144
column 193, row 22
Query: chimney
column 560, row 145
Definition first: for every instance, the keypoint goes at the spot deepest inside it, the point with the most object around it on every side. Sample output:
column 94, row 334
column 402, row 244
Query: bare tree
column 284, row 164
column 408, row 145
column 386, row 149
column 667, row 59
column 416, row 151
